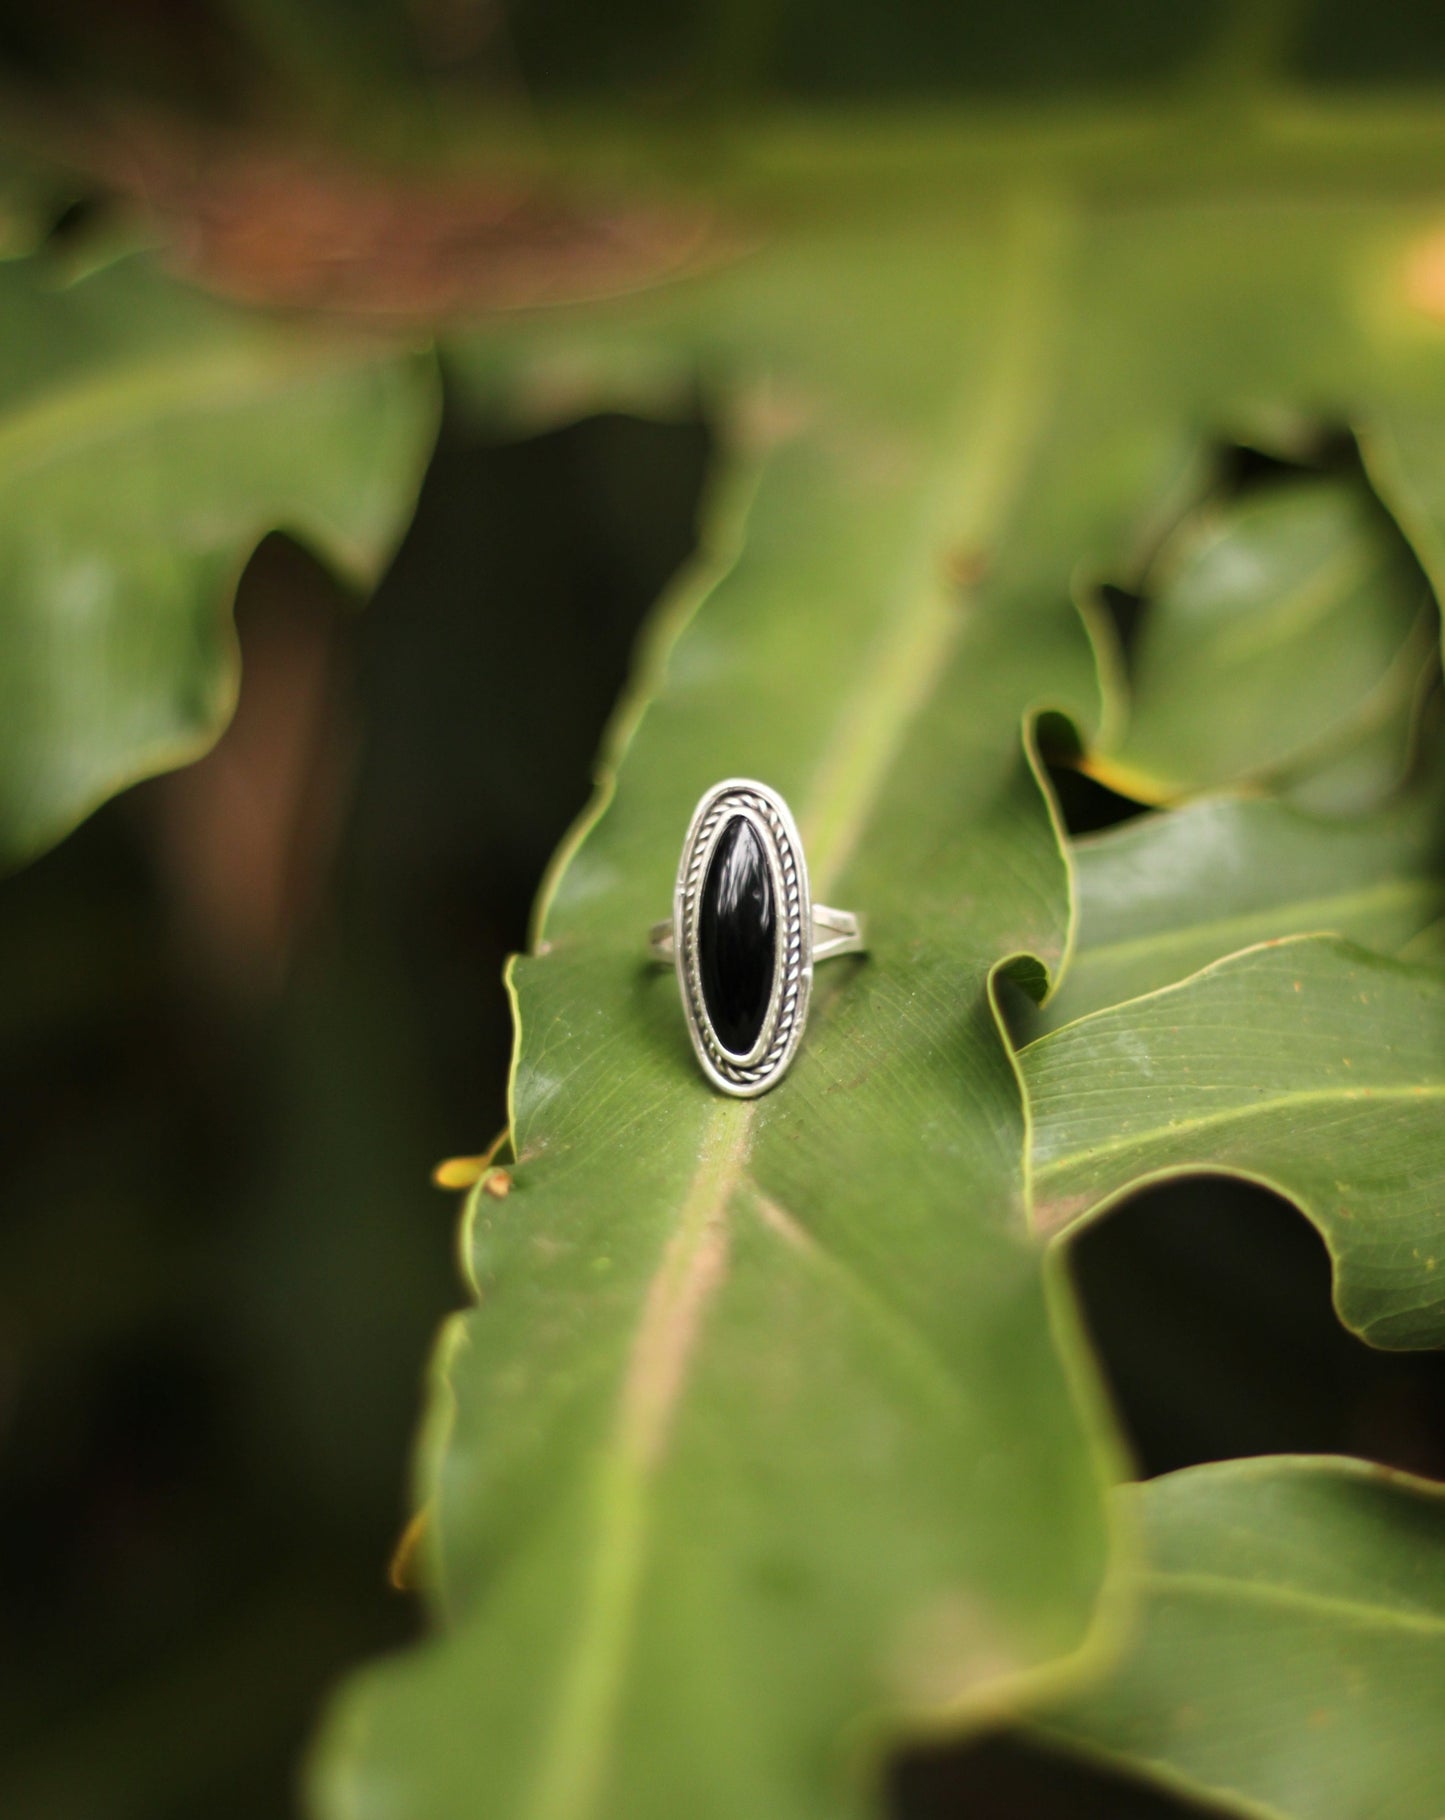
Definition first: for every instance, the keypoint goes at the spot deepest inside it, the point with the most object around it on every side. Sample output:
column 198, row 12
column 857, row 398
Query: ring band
column 842, row 933
column 744, row 936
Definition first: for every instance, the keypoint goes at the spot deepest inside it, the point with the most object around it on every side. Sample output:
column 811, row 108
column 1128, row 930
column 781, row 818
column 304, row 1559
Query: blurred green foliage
column 968, row 312
column 222, row 1260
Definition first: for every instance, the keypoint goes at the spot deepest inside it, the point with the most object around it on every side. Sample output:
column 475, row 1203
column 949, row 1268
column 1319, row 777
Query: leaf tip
column 456, row 1172
column 402, row 1571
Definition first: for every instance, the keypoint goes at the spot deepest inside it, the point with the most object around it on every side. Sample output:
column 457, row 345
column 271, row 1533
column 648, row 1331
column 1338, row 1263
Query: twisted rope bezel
column 793, row 964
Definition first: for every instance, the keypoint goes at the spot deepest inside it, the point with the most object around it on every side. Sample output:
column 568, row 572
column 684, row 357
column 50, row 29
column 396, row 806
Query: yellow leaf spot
column 1424, row 275
column 458, row 1171
column 966, row 567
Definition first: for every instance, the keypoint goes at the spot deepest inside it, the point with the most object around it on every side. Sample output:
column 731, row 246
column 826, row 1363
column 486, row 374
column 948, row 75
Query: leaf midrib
column 1287, row 140
column 573, row 1764
column 1387, row 892
column 96, row 408
column 1078, row 1159
column 1228, row 1587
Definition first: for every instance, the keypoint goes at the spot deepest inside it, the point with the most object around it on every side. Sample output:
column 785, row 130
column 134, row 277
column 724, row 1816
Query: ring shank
column 834, row 932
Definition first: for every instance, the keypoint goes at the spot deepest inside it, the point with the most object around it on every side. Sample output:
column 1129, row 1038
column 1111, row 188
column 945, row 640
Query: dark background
column 246, row 1008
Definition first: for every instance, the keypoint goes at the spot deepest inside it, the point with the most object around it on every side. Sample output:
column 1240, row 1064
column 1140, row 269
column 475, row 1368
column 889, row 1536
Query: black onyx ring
column 744, row 935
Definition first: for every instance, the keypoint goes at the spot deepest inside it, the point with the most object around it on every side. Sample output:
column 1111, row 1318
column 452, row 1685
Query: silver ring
column 744, row 936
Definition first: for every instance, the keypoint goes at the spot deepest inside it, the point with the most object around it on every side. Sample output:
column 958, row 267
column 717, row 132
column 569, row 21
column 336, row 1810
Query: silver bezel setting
column 746, row 1076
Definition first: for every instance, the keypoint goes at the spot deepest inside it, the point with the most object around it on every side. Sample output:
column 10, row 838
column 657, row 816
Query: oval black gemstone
column 737, row 937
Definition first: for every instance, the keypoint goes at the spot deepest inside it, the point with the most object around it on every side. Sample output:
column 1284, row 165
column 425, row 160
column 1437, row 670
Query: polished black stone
column 737, row 937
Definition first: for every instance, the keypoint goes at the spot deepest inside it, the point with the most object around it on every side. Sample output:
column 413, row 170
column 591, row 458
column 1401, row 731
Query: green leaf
column 1291, row 1656
column 1428, row 945
column 1311, row 1066
column 1370, row 763
column 33, row 195
column 759, row 1444
column 757, row 1450
column 148, row 439
column 1166, row 894
column 1402, row 438
column 1274, row 627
